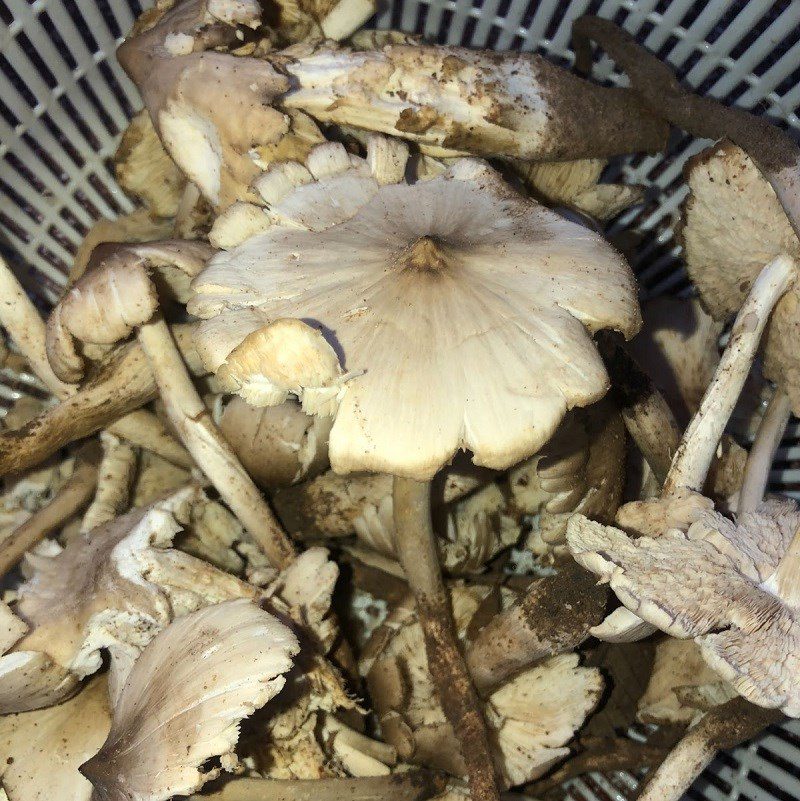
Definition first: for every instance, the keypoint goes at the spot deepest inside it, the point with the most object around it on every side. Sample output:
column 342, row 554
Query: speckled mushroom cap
column 733, row 586
column 461, row 311
column 733, row 226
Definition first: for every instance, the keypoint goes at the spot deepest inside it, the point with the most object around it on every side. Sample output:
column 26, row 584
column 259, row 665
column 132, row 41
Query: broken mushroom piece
column 451, row 273
column 185, row 698
column 105, row 305
column 41, row 751
column 453, row 101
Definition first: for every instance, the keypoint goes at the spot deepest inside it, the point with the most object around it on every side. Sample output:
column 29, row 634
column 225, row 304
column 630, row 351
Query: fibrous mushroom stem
column 725, row 726
column 410, row 785
column 68, row 501
column 213, row 454
column 775, row 152
column 552, row 617
column 113, row 483
column 21, row 320
column 415, row 542
column 759, row 460
column 699, row 443
column 647, row 416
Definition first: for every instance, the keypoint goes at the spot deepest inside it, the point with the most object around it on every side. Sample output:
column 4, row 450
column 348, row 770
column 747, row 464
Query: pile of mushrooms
column 349, row 466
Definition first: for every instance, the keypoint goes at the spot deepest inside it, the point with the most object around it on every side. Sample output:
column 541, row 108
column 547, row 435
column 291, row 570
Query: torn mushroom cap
column 456, row 100
column 464, row 314
column 113, row 297
column 734, row 224
column 184, row 699
column 145, row 171
column 210, row 109
column 731, row 586
column 576, row 184
column 581, row 469
column 273, row 360
column 114, row 588
column 40, row 751
column 278, row 445
column 682, row 686
column 530, row 717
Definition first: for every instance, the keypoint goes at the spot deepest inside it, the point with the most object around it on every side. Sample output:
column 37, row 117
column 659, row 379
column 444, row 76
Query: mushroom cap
column 278, row 445
column 184, row 699
column 711, row 583
column 733, row 225
column 40, row 751
column 463, row 314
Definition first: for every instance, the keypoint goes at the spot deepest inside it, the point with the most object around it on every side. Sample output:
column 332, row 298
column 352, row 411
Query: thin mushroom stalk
column 699, row 443
column 759, row 460
column 775, row 152
column 722, row 728
column 418, row 554
column 114, row 483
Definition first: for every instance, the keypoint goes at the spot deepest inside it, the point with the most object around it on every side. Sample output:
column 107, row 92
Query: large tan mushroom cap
column 731, row 586
column 185, row 698
column 41, row 751
column 463, row 314
column 733, row 226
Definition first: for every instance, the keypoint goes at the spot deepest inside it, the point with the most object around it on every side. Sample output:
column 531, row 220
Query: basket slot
column 486, row 20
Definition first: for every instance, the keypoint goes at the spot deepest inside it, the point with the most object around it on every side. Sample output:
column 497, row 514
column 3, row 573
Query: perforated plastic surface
column 64, row 102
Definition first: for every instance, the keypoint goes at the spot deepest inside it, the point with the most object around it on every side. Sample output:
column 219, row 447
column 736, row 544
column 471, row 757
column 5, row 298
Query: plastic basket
column 64, row 101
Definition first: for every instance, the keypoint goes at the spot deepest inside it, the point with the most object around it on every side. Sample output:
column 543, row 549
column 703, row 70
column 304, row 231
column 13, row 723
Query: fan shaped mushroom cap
column 456, row 100
column 40, row 751
column 184, row 699
column 467, row 307
column 731, row 586
column 734, row 224
column 530, row 717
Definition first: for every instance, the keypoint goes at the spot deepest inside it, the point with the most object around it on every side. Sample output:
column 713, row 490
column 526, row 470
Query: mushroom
column 452, row 100
column 322, row 19
column 133, row 587
column 22, row 321
column 40, row 751
column 278, row 445
column 470, row 273
column 530, row 716
column 775, row 152
column 184, row 699
column 146, row 172
column 104, row 306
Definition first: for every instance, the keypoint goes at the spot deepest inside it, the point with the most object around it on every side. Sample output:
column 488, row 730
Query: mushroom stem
column 113, row 483
column 759, row 460
column 775, row 152
column 25, row 326
column 699, row 443
column 785, row 581
column 647, row 416
column 213, row 454
column 723, row 727
column 410, row 785
column 554, row 616
column 418, row 554
column 70, row 499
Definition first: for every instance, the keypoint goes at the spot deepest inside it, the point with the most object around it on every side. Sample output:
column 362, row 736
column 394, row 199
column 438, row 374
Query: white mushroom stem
column 114, row 483
column 410, row 785
column 213, row 454
column 759, row 460
column 699, row 443
column 69, row 500
column 725, row 726
column 25, row 326
column 418, row 554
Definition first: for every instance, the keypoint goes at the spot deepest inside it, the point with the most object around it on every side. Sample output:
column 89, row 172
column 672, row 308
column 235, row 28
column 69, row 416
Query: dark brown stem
column 419, row 556
column 776, row 153
column 412, row 785
column 76, row 493
column 646, row 413
column 553, row 616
